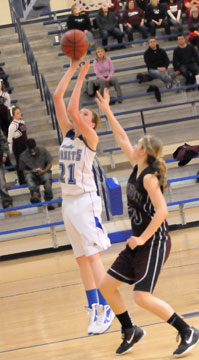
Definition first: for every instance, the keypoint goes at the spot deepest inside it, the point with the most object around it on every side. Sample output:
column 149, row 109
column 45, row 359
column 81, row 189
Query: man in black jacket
column 186, row 60
column 157, row 62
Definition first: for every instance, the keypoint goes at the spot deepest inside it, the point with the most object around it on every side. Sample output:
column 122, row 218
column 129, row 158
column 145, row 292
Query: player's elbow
column 57, row 95
column 164, row 212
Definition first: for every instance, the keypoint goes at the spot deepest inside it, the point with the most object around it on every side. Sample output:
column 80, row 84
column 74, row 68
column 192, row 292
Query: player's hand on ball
column 135, row 241
column 84, row 69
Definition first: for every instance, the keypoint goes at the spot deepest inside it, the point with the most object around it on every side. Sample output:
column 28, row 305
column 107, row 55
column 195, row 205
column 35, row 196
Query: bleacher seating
column 132, row 60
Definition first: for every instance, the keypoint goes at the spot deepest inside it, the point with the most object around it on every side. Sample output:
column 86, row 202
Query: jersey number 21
column 71, row 169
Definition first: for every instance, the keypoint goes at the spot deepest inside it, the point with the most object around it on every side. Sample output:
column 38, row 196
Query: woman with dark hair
column 104, row 70
column 108, row 25
column 17, row 139
column 4, row 109
column 133, row 20
column 81, row 206
column 140, row 263
column 174, row 15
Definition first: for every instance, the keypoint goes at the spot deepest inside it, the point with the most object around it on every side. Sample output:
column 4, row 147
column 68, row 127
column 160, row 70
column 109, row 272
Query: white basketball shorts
column 82, row 219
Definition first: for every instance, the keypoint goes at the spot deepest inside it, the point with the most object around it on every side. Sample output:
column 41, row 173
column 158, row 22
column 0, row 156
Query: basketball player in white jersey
column 81, row 206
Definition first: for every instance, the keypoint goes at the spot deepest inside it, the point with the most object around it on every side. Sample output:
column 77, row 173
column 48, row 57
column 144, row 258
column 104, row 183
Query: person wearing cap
column 36, row 163
column 193, row 24
column 188, row 4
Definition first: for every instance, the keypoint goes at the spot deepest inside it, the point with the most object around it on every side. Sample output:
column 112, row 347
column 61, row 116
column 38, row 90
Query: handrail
column 101, row 174
column 50, row 107
column 26, row 47
column 180, row 202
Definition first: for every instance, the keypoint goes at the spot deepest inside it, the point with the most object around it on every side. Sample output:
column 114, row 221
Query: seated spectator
column 142, row 4
column 36, row 163
column 108, row 25
column 6, row 199
column 155, row 16
column 186, row 60
column 193, row 23
column 103, row 68
column 115, row 8
column 157, row 62
column 174, row 15
column 17, row 139
column 133, row 19
column 4, row 109
column 80, row 21
column 188, row 4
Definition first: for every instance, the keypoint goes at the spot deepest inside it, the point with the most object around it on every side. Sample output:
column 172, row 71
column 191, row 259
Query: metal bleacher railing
column 100, row 179
column 99, row 173
column 26, row 47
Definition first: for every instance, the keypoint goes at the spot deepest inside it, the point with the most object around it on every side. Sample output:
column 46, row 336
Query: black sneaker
column 189, row 338
column 130, row 337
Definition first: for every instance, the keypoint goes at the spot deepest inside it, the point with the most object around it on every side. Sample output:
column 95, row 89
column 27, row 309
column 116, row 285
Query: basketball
column 74, row 44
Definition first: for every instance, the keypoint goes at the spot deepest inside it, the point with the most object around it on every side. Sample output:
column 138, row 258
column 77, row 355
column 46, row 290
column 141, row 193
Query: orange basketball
column 74, row 44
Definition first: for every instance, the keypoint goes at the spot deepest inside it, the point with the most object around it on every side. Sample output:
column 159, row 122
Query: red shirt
column 133, row 16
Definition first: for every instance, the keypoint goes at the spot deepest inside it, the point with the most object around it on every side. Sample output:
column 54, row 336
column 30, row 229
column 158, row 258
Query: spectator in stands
column 155, row 16
column 108, row 25
column 6, row 199
column 157, row 62
column 174, row 15
column 5, row 80
column 193, row 23
column 17, row 139
column 104, row 70
column 36, row 163
column 133, row 19
column 115, row 8
column 4, row 109
column 142, row 4
column 186, row 60
column 81, row 22
column 189, row 4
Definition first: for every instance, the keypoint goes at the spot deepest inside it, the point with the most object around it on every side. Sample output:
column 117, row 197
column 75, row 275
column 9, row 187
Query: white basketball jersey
column 76, row 161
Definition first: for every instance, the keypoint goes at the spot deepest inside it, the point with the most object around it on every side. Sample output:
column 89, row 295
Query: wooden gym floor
column 42, row 315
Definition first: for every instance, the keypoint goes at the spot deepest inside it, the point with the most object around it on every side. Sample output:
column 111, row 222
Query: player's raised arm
column 119, row 133
column 83, row 119
column 58, row 97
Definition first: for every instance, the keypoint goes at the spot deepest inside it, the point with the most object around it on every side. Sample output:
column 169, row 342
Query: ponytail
column 153, row 147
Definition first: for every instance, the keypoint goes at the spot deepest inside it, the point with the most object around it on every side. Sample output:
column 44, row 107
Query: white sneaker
column 105, row 317
column 92, row 318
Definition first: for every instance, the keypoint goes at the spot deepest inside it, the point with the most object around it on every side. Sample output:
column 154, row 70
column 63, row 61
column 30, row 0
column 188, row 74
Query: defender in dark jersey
column 147, row 250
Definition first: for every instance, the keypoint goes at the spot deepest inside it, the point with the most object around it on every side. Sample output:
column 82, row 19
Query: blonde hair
column 154, row 2
column 100, row 49
column 153, row 147
column 95, row 119
column 73, row 7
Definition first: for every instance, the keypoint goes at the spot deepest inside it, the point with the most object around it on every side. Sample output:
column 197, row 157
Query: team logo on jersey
column 68, row 146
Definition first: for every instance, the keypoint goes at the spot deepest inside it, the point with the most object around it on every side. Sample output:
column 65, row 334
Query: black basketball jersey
column 140, row 207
